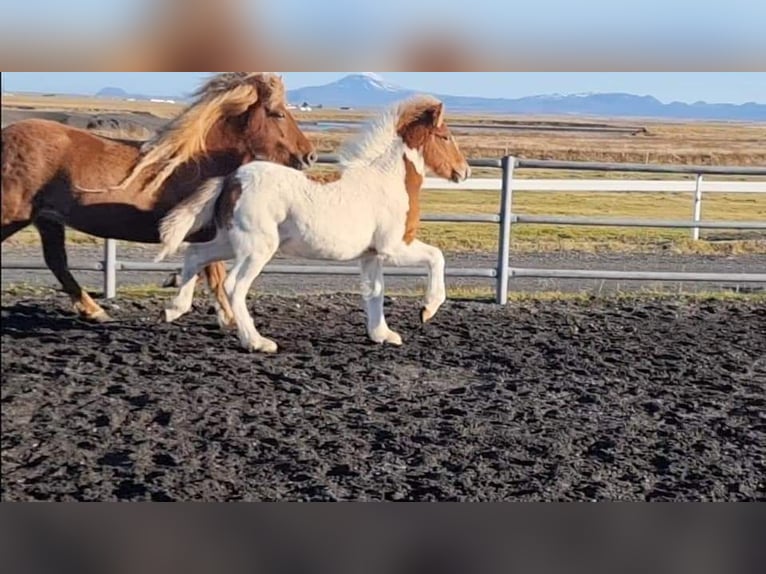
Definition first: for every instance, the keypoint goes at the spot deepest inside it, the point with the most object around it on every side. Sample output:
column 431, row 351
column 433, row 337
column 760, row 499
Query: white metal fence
column 507, row 219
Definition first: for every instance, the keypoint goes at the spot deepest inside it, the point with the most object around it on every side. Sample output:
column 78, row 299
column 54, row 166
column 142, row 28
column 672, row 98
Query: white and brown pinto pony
column 371, row 213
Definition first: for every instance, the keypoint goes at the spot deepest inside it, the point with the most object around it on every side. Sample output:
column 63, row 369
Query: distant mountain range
column 120, row 94
column 368, row 90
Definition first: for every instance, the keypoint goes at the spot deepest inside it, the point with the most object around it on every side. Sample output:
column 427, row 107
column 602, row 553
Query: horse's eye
column 277, row 114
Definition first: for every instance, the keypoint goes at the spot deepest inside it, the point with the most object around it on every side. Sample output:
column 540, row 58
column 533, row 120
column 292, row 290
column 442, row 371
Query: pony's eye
column 277, row 114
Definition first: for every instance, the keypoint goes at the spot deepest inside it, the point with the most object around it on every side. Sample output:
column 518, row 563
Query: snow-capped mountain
column 370, row 90
column 364, row 90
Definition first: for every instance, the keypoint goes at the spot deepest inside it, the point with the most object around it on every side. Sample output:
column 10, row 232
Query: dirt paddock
column 633, row 399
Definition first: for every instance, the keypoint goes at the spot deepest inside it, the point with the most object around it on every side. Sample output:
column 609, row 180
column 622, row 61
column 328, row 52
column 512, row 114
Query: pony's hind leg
column 216, row 276
column 52, row 235
column 372, row 293
column 197, row 257
column 248, row 266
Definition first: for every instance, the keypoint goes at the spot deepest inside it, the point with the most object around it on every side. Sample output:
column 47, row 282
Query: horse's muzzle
column 306, row 161
column 458, row 176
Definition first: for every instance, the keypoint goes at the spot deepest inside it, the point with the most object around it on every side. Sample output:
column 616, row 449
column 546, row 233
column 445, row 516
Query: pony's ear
column 433, row 115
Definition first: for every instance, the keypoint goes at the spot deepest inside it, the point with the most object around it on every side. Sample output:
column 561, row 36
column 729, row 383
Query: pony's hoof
column 171, row 315
column 426, row 315
column 266, row 346
column 387, row 338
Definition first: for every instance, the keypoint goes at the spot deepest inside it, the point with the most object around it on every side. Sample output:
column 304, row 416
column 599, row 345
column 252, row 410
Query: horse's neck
column 186, row 179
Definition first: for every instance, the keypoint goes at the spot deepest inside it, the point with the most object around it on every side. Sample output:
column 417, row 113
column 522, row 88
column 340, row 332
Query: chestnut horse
column 370, row 213
column 55, row 176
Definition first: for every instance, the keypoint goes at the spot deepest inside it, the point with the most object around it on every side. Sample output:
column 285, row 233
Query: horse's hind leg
column 197, row 257
column 216, row 276
column 54, row 252
column 9, row 229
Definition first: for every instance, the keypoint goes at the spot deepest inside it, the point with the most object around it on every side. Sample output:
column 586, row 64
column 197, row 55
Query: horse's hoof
column 173, row 280
column 99, row 317
column 226, row 324
column 426, row 315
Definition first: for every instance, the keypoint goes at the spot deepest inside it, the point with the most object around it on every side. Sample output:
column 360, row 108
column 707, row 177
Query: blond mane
column 383, row 131
column 183, row 139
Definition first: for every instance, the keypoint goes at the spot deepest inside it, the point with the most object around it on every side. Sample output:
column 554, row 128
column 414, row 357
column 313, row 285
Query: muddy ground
column 643, row 399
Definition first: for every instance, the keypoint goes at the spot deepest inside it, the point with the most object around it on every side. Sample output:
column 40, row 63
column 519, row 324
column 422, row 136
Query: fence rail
column 507, row 219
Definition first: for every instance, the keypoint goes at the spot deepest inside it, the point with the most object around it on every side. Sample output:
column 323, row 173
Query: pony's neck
column 414, row 175
column 391, row 161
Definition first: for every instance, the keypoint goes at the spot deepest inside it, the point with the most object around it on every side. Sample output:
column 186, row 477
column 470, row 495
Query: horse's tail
column 189, row 216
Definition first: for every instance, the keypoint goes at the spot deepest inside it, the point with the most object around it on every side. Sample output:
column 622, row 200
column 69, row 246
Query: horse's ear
column 271, row 91
column 438, row 115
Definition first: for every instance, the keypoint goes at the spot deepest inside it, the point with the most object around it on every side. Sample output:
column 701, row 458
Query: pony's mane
column 383, row 131
column 183, row 139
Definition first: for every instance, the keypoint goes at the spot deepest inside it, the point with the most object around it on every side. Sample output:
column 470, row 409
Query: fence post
column 504, row 247
column 110, row 269
column 697, row 207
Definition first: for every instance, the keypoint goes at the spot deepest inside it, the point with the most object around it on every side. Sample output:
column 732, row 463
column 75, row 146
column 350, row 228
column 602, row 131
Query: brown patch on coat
column 325, row 177
column 419, row 119
column 227, row 202
column 413, row 181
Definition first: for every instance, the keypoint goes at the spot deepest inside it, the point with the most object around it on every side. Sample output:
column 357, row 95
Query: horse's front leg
column 372, row 293
column 418, row 253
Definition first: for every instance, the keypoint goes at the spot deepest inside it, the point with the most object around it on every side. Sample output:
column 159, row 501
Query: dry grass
column 714, row 143
column 537, row 238
column 687, row 144
column 90, row 105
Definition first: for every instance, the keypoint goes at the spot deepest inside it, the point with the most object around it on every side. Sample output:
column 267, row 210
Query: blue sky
column 735, row 87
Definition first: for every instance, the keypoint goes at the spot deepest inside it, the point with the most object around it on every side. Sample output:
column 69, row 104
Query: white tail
column 189, row 216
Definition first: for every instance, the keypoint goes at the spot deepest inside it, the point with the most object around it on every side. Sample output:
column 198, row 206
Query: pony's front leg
column 419, row 253
column 372, row 293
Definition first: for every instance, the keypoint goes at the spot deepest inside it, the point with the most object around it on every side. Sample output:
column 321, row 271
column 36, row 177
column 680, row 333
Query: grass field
column 705, row 143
